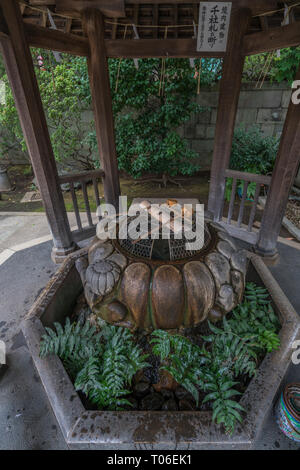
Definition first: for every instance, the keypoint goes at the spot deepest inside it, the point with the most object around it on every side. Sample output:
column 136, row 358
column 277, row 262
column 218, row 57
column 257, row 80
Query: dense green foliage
column 272, row 66
column 149, row 108
column 229, row 352
column 65, row 94
column 252, row 153
column 146, row 120
column 101, row 364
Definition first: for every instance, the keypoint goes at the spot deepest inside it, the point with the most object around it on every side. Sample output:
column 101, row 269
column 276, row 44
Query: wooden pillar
column 102, row 105
column 228, row 102
column 20, row 71
column 283, row 176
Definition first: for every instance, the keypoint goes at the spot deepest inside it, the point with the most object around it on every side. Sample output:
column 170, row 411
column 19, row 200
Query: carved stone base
column 58, row 255
column 269, row 258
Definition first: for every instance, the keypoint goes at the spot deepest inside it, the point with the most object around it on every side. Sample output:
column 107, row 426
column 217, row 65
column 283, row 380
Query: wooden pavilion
column 96, row 29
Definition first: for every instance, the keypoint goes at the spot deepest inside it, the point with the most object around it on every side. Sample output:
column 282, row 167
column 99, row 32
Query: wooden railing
column 83, row 178
column 238, row 229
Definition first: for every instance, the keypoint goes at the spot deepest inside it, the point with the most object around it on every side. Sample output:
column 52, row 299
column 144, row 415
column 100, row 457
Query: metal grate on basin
column 143, row 248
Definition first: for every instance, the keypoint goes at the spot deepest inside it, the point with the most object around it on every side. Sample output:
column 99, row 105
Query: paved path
column 21, row 230
column 26, row 419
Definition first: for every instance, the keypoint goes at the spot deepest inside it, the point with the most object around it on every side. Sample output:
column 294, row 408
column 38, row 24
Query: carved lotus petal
column 225, row 249
column 119, row 259
column 239, row 261
column 200, row 289
column 225, row 236
column 219, row 267
column 100, row 251
column 226, row 298
column 237, row 281
column 102, row 275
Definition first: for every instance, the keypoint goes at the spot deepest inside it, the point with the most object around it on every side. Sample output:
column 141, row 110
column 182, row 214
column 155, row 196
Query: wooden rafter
column 111, row 8
column 278, row 38
column 151, row 14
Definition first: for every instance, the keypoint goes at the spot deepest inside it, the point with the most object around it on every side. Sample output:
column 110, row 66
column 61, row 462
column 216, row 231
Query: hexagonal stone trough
column 152, row 429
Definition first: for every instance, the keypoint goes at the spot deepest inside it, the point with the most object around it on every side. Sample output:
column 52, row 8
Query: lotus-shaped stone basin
column 159, row 284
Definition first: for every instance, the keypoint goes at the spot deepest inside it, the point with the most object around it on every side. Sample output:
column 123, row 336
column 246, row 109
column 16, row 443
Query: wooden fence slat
column 232, row 199
column 242, row 206
column 85, row 176
column 87, row 204
column 75, row 205
column 97, row 198
column 253, row 209
column 253, row 177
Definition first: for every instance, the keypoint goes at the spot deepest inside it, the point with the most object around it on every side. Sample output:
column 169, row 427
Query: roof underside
column 153, row 20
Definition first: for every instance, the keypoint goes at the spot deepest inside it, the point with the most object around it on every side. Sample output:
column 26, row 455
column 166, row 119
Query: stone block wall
column 265, row 108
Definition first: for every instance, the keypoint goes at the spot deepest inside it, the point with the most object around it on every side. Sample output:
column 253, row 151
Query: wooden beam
column 110, row 8
column 285, row 170
column 264, row 23
column 228, row 102
column 155, row 20
column 277, row 38
column 56, row 40
column 147, row 48
column 102, row 104
column 3, row 25
column 20, row 71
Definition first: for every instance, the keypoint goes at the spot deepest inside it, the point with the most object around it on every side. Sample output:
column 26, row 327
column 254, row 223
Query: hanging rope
column 199, row 76
column 119, row 64
column 266, row 68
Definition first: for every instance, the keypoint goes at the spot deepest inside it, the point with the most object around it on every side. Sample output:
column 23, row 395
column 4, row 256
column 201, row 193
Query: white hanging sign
column 213, row 26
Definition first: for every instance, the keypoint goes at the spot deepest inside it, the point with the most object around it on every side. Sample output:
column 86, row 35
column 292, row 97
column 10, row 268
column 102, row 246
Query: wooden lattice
column 152, row 18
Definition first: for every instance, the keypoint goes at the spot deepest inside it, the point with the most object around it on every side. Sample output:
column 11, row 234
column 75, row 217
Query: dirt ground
column 191, row 187
column 21, row 179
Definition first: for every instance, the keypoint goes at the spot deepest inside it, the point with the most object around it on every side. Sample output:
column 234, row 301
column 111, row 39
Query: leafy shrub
column 252, row 153
column 281, row 68
column 146, row 120
column 101, row 364
column 287, row 64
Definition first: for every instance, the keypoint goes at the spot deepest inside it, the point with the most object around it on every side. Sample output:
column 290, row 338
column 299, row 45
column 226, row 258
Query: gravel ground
column 293, row 212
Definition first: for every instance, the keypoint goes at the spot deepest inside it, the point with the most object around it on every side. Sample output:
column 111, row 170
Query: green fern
column 74, row 344
column 102, row 364
column 225, row 410
column 181, row 358
column 231, row 350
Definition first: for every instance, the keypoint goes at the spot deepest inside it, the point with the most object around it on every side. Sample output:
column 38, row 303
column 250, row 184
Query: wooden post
column 228, row 102
column 20, row 71
column 102, row 105
column 283, row 176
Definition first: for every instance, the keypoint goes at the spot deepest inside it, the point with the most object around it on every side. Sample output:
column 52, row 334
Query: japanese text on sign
column 214, row 19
